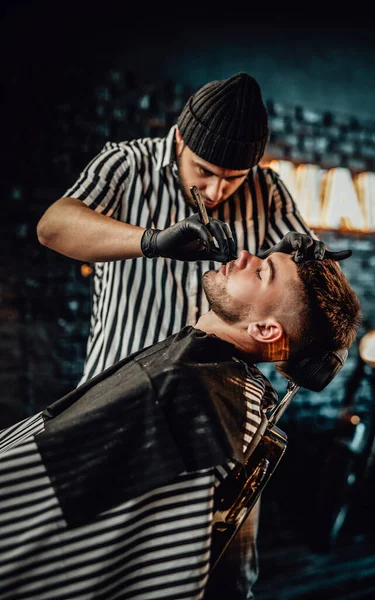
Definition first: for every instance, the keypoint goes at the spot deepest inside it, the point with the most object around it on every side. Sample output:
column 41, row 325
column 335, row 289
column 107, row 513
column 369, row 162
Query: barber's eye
column 204, row 171
column 257, row 273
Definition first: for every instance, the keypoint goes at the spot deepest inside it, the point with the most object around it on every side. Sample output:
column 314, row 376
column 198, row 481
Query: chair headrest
column 313, row 372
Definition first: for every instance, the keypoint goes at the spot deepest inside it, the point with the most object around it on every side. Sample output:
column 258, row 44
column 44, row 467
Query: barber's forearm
column 71, row 228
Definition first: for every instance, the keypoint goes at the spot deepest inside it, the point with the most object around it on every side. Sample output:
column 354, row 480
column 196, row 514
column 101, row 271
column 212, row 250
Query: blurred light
column 340, row 205
column 286, row 170
column 331, row 199
column 308, row 186
column 367, row 348
column 354, row 419
column 365, row 186
column 86, row 270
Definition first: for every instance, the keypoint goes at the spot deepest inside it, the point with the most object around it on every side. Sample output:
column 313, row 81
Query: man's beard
column 220, row 302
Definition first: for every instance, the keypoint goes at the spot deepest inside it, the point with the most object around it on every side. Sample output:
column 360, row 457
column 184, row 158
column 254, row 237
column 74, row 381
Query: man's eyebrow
column 212, row 173
column 272, row 270
column 205, row 168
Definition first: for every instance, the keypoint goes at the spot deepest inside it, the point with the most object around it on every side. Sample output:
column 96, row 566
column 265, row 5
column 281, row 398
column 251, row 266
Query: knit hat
column 226, row 123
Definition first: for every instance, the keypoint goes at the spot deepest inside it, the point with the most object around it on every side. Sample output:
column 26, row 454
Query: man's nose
column 245, row 259
column 215, row 190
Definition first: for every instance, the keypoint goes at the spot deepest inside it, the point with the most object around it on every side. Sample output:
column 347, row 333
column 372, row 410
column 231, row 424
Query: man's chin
column 210, row 206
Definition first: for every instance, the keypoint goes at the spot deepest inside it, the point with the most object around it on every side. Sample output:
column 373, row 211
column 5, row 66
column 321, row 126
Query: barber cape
column 171, row 408
column 112, row 485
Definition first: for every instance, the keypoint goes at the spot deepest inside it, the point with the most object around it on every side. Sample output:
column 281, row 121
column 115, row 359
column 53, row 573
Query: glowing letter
column 365, row 184
column 307, row 195
column 285, row 168
column 341, row 208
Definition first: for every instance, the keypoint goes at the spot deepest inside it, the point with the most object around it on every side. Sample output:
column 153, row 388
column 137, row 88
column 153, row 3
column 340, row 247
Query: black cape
column 173, row 407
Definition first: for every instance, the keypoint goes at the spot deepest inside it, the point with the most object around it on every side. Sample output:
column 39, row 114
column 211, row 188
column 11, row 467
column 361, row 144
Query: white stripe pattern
column 141, row 301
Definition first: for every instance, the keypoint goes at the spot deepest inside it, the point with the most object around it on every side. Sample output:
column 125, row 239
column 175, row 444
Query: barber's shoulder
column 268, row 173
column 262, row 176
column 116, row 156
column 118, row 149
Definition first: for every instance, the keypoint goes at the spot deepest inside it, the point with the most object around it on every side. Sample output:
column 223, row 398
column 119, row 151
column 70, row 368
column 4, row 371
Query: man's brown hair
column 332, row 307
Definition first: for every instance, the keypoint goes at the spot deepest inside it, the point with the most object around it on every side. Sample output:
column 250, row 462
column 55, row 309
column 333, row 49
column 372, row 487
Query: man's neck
column 234, row 334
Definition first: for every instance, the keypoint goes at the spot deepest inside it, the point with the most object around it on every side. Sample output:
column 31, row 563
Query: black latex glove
column 305, row 247
column 190, row 240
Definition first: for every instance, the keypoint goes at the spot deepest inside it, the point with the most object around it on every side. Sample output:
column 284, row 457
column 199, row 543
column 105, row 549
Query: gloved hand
column 190, row 240
column 305, row 247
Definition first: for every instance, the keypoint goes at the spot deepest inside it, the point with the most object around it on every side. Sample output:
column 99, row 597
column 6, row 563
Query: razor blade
column 199, row 204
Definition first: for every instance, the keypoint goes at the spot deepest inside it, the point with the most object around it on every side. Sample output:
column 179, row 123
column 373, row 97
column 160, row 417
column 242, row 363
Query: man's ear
column 179, row 143
column 178, row 136
column 267, row 332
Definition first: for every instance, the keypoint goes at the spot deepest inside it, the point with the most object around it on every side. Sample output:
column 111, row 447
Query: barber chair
column 242, row 488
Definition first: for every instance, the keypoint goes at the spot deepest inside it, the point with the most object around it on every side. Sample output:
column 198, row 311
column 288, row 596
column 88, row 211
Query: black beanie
column 226, row 123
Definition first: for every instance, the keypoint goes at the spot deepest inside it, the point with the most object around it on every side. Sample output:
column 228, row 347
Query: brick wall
column 321, row 138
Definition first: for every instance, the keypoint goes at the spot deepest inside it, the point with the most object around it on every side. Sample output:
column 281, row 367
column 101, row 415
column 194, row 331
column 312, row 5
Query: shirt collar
column 167, row 150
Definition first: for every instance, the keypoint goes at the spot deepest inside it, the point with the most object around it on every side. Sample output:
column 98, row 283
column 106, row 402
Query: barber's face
column 251, row 287
column 214, row 183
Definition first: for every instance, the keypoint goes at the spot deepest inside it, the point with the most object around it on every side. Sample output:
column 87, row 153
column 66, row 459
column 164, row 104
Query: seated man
column 108, row 493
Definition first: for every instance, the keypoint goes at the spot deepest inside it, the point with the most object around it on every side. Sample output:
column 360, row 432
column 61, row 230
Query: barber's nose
column 215, row 190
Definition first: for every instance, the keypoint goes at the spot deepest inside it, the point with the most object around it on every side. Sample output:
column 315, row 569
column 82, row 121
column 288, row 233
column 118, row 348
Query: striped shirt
column 138, row 302
column 155, row 546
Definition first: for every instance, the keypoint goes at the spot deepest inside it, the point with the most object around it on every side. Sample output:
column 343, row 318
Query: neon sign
column 330, row 199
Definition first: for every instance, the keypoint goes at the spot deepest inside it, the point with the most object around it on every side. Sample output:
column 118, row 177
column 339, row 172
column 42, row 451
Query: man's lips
column 210, row 204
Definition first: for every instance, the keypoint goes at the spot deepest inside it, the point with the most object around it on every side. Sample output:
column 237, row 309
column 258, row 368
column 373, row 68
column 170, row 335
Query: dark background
column 75, row 75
